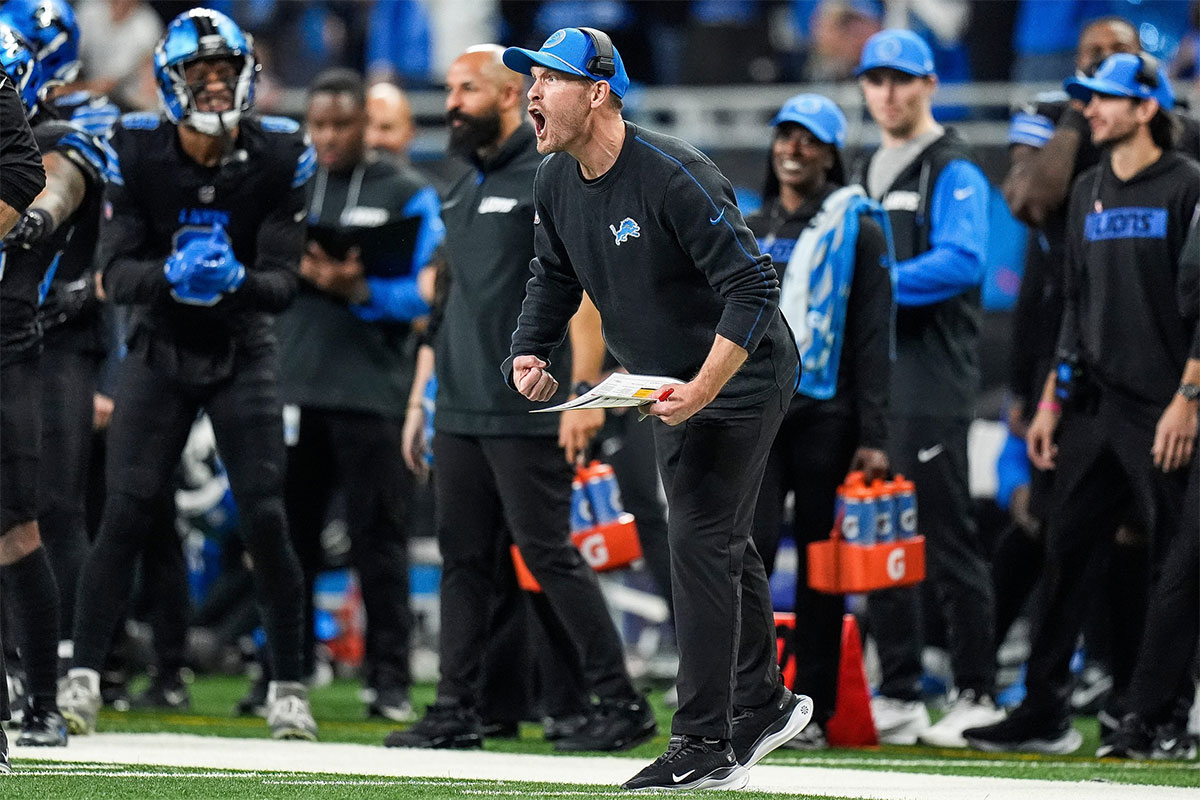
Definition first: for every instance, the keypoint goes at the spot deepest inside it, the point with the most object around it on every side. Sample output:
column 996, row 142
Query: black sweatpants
column 482, row 485
column 1163, row 671
column 809, row 459
column 361, row 454
column 712, row 466
column 150, row 425
column 1104, row 464
column 70, row 370
column 932, row 452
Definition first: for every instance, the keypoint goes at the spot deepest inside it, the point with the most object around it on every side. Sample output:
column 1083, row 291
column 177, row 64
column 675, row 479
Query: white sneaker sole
column 1064, row 745
column 798, row 721
column 735, row 777
column 933, row 737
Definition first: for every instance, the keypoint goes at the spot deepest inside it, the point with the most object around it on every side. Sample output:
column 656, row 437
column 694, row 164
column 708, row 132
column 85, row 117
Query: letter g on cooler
column 896, row 567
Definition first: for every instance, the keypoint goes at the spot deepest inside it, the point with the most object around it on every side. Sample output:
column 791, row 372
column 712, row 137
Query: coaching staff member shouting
column 1124, row 425
column 202, row 236
column 649, row 227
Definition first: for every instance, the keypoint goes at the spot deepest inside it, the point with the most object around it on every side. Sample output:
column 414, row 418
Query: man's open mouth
column 539, row 121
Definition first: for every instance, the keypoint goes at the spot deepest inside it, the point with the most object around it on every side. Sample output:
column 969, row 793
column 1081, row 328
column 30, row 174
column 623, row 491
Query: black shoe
column 1131, row 739
column 1172, row 742
column 114, row 690
column 612, row 725
column 758, row 731
column 43, row 726
column 392, row 703
column 507, row 729
column 165, row 691
column 555, row 728
column 254, row 704
column 444, row 726
column 5, row 764
column 1026, row 730
column 692, row 763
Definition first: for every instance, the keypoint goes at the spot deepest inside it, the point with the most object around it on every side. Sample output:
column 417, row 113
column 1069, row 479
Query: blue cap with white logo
column 1125, row 75
column 576, row 52
column 899, row 50
column 819, row 114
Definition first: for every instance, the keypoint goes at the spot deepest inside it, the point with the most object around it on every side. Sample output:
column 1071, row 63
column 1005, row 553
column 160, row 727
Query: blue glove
column 203, row 268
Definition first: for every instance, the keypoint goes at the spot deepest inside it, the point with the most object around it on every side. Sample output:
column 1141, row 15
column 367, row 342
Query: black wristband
column 581, row 388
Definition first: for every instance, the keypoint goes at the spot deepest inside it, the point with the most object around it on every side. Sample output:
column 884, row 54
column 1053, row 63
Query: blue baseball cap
column 568, row 50
column 899, row 50
column 1118, row 76
column 817, row 113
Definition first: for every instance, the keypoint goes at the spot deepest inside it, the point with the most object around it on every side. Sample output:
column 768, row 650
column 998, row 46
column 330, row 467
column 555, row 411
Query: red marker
column 665, row 393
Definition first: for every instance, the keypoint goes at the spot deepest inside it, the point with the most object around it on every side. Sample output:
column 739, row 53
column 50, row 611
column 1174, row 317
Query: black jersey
column 1124, row 240
column 19, row 156
column 156, row 191
column 26, row 272
column 660, row 245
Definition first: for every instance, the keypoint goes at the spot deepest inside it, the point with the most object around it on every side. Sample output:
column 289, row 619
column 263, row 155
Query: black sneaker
column 164, row 691
column 5, row 764
column 692, row 763
column 612, row 725
column 43, row 726
column 254, row 704
column 114, row 690
column 555, row 728
column 758, row 731
column 1132, row 739
column 502, row 729
column 1026, row 730
column 1172, row 742
column 444, row 726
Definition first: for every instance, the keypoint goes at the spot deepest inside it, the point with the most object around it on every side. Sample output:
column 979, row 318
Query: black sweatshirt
column 864, row 373
column 659, row 244
column 20, row 160
column 1124, row 239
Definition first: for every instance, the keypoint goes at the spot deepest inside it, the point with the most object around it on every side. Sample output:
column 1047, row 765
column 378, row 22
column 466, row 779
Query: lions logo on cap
column 554, row 39
column 808, row 105
column 889, row 48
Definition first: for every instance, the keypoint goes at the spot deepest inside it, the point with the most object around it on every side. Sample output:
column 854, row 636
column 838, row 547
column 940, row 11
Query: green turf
column 340, row 715
column 42, row 780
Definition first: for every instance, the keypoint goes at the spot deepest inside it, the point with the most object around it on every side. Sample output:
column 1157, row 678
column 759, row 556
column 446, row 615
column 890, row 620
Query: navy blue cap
column 817, row 113
column 568, row 50
column 899, row 50
column 1118, row 76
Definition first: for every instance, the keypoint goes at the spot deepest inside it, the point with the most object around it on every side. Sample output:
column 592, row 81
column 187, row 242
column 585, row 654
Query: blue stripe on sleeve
column 91, row 149
column 306, row 167
column 1031, row 129
column 112, row 170
column 426, row 205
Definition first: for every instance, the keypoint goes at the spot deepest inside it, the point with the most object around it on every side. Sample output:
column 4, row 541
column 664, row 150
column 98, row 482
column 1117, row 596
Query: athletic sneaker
column 811, row 738
column 79, row 700
column 254, row 704
column 1131, row 739
column 692, row 762
column 899, row 721
column 43, row 726
column 969, row 710
column 758, row 731
column 1026, row 730
column 393, row 704
column 505, row 729
column 288, row 714
column 5, row 764
column 164, row 691
column 612, row 725
column 444, row 726
column 555, row 728
column 1172, row 742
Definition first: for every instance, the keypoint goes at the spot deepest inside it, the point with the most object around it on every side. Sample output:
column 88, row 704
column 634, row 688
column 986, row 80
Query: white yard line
column 218, row 753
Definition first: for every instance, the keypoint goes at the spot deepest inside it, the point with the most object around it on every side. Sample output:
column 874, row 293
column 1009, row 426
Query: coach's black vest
column 937, row 346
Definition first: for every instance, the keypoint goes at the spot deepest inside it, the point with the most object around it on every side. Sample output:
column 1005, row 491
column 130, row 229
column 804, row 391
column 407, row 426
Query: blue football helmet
column 18, row 60
column 203, row 34
column 50, row 27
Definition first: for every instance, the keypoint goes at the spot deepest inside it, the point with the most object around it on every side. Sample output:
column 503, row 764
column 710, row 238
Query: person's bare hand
column 532, row 380
column 413, row 444
column 872, row 463
column 1039, row 442
column 102, row 411
column 681, row 402
column 576, row 430
column 1175, row 435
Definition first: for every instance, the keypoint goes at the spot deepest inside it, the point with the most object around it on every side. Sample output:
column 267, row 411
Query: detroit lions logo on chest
column 627, row 229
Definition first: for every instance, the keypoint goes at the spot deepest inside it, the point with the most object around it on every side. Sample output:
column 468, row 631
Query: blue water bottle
column 904, row 496
column 858, row 521
column 603, row 492
column 582, row 518
column 885, row 509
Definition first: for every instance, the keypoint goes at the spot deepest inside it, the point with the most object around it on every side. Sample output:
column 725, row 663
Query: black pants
column 150, row 425
column 628, row 446
column 809, row 459
column 482, row 485
column 70, row 371
column 932, row 451
column 1104, row 464
column 1168, row 649
column 361, row 454
column 712, row 466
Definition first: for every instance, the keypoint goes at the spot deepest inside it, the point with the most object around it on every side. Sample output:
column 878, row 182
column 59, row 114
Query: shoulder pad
column 141, row 121
column 279, row 124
